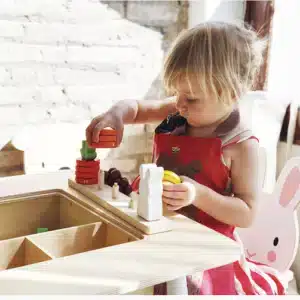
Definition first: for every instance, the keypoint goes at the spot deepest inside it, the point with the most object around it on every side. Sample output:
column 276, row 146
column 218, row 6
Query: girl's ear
column 290, row 183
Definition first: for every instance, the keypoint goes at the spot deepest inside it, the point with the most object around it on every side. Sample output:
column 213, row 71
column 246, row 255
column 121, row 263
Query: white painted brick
column 66, row 76
column 44, row 33
column 101, row 95
column 53, row 54
column 34, row 114
column 17, row 52
column 13, row 95
column 11, row 29
column 12, row 52
column 70, row 113
column 35, row 75
column 122, row 67
column 45, row 75
column 101, row 107
column 103, row 54
column 10, row 115
column 58, row 10
column 29, row 94
column 46, row 8
column 27, row 114
column 4, row 76
column 112, row 32
column 33, row 139
column 24, row 76
column 109, row 32
column 8, row 7
column 89, row 11
column 116, row 32
column 52, row 94
column 132, row 30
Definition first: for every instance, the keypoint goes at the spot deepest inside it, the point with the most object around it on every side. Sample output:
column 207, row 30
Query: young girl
column 201, row 137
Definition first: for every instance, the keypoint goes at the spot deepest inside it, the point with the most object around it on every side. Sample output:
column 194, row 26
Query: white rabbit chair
column 273, row 238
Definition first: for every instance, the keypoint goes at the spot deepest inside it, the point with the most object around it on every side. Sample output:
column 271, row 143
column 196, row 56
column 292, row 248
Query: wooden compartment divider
column 20, row 252
column 78, row 239
column 72, row 240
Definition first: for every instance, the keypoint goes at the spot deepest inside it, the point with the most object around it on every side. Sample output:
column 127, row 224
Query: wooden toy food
column 107, row 139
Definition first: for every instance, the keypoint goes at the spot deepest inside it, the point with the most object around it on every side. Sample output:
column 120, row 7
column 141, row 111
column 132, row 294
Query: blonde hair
column 222, row 57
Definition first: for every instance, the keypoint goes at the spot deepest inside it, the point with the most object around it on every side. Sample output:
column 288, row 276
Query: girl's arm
column 240, row 209
column 143, row 111
column 130, row 112
column 152, row 111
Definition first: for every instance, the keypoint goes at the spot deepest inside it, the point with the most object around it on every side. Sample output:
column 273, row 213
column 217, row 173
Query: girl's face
column 198, row 108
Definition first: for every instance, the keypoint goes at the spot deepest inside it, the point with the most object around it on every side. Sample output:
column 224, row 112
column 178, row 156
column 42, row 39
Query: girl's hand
column 182, row 194
column 111, row 118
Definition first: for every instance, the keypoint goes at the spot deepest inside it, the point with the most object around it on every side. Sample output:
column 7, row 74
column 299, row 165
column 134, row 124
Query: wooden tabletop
column 188, row 248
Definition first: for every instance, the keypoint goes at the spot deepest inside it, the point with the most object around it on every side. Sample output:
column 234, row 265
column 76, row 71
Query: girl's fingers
column 173, row 202
column 173, row 208
column 90, row 129
column 101, row 122
column 174, row 194
column 96, row 131
column 174, row 187
column 120, row 129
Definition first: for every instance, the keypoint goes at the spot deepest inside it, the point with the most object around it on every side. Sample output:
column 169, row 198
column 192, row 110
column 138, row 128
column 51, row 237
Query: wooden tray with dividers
column 52, row 225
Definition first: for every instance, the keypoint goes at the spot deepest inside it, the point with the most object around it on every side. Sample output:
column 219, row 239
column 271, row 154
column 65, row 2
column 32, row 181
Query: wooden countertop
column 188, row 248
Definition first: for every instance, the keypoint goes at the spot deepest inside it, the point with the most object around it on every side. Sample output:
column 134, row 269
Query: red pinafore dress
column 201, row 159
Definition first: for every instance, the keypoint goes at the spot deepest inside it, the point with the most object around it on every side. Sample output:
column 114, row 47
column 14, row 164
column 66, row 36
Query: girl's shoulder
column 234, row 130
column 239, row 134
column 170, row 123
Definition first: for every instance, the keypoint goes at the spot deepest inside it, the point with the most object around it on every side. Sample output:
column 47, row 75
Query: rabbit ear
column 290, row 183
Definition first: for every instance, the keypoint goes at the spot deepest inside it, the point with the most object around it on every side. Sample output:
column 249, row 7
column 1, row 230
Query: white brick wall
column 63, row 62
column 69, row 11
column 149, row 14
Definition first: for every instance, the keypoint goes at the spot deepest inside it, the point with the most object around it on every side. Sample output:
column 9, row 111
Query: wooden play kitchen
column 61, row 237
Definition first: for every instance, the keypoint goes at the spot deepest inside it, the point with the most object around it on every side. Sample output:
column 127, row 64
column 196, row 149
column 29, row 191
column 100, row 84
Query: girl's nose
column 180, row 103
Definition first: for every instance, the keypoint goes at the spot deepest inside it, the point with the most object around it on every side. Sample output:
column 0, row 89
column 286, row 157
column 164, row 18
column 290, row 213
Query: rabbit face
column 273, row 237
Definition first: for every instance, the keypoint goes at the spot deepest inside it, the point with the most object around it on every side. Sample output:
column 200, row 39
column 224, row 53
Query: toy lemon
column 171, row 177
